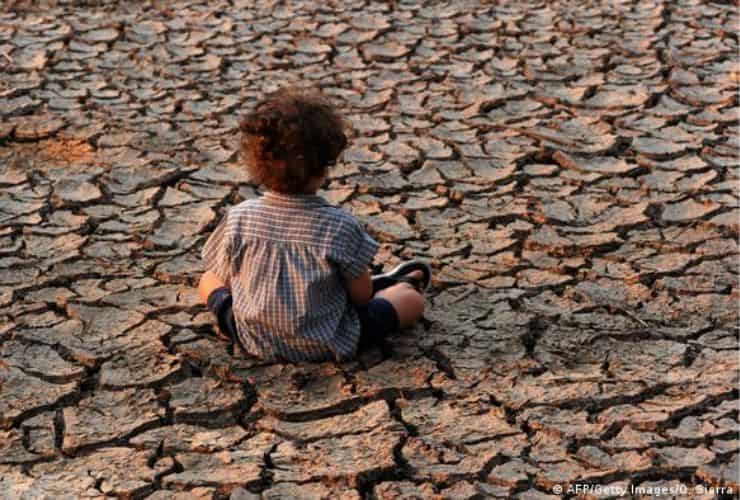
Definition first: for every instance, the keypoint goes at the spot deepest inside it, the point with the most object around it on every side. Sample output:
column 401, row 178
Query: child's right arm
column 354, row 259
column 360, row 289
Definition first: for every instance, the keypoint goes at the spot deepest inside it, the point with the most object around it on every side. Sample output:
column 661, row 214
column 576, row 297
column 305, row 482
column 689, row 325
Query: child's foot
column 406, row 297
column 415, row 272
column 415, row 279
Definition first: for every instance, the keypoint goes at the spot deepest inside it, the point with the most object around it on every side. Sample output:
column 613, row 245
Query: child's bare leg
column 208, row 283
column 408, row 303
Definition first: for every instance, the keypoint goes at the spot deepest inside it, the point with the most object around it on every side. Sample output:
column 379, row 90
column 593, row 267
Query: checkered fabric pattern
column 285, row 259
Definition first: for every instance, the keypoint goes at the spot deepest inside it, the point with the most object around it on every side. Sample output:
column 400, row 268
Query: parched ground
column 570, row 168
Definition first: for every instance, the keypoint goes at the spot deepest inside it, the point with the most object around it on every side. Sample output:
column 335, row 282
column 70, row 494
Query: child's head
column 290, row 139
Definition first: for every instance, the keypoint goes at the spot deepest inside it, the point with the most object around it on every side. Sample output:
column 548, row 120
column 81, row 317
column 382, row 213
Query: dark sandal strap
column 425, row 271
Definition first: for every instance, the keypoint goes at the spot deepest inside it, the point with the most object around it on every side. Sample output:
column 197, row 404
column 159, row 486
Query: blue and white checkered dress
column 285, row 259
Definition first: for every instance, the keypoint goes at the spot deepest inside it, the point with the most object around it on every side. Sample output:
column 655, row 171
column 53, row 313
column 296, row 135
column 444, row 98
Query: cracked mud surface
column 570, row 168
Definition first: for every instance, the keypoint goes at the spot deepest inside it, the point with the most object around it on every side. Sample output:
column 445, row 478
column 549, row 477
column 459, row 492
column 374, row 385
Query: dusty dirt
column 569, row 168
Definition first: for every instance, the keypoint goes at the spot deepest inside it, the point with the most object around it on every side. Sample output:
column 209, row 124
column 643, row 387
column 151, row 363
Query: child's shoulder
column 325, row 213
column 239, row 210
column 338, row 213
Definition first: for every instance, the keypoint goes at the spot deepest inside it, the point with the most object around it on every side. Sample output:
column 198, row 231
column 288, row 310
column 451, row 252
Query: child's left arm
column 209, row 282
column 216, row 260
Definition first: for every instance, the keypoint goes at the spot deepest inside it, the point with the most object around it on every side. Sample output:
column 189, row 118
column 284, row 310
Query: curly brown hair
column 291, row 137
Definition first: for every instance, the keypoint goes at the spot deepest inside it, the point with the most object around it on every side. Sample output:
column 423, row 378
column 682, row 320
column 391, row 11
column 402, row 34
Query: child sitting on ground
column 287, row 274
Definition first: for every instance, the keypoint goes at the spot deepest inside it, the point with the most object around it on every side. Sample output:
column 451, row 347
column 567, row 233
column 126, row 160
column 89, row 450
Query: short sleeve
column 358, row 251
column 216, row 252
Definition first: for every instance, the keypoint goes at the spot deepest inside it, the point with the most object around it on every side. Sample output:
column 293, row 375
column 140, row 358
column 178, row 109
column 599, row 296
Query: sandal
column 400, row 275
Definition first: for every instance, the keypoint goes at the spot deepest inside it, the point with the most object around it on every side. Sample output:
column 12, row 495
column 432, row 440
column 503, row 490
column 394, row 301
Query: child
column 288, row 274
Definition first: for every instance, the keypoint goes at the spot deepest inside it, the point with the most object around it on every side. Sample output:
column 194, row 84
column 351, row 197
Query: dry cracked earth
column 569, row 167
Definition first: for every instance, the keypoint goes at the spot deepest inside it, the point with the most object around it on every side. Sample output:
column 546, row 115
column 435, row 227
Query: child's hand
column 208, row 283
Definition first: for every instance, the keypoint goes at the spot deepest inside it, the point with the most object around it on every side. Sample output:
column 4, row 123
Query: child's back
column 286, row 258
